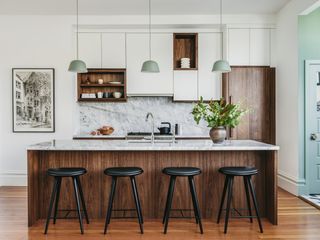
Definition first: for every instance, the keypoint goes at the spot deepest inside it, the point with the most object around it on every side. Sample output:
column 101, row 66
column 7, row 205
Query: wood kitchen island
column 96, row 155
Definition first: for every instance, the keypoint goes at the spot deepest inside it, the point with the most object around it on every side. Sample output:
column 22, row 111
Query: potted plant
column 218, row 115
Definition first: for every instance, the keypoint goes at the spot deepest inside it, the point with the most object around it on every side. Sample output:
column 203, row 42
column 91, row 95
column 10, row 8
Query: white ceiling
column 118, row 7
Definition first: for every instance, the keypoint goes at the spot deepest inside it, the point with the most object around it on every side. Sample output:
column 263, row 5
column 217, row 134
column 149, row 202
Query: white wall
column 47, row 41
column 33, row 42
column 288, row 99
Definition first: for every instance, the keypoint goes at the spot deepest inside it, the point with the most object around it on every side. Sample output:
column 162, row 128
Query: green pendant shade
column 221, row 66
column 150, row 66
column 78, row 66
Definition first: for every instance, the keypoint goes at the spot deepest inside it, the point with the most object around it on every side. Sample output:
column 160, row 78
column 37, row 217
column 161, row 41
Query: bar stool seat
column 181, row 171
column 123, row 171
column 66, row 172
column 130, row 172
column 175, row 172
column 238, row 171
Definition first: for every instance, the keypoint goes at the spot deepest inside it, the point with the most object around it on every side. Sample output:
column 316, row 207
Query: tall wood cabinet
column 254, row 87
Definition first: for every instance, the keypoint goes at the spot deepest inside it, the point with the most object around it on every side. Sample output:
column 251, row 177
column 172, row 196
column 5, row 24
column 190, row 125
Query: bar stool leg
column 76, row 193
column 137, row 202
column 255, row 202
column 111, row 197
column 195, row 202
column 82, row 199
column 230, row 186
column 53, row 196
column 167, row 202
column 170, row 197
column 57, row 200
column 226, row 184
column 248, row 197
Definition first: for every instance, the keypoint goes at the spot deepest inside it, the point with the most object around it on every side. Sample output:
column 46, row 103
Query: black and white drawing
column 33, row 100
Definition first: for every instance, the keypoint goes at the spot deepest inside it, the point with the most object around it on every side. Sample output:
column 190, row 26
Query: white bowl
column 117, row 94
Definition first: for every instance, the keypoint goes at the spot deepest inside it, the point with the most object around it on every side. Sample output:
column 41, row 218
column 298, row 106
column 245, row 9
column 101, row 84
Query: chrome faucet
column 149, row 114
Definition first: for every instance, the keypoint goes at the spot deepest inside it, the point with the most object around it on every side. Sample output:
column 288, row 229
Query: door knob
column 314, row 136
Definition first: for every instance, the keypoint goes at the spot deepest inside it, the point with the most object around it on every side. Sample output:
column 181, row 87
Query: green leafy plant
column 218, row 113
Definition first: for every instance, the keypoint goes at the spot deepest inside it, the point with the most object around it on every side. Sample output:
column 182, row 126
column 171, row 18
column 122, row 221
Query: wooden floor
column 297, row 220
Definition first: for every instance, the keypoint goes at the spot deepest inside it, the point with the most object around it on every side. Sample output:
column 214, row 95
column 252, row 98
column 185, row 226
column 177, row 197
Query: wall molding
column 290, row 183
column 13, row 178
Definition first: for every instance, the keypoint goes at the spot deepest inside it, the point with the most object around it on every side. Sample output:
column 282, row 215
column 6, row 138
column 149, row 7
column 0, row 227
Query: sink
column 156, row 141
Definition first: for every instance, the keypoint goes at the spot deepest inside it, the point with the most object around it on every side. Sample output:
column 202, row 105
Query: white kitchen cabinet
column 209, row 49
column 185, row 85
column 90, row 49
column 273, row 50
column 239, row 47
column 113, row 50
column 260, row 42
column 149, row 84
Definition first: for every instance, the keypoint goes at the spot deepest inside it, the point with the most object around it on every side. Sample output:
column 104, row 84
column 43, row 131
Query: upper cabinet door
column 149, row 84
column 209, row 83
column 185, row 85
column 113, row 50
column 239, row 47
column 260, row 42
column 90, row 49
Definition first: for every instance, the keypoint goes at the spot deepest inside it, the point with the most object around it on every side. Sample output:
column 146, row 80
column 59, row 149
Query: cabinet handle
column 230, row 130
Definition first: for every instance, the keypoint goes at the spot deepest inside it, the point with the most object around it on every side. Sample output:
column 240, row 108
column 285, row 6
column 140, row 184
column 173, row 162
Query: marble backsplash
column 130, row 116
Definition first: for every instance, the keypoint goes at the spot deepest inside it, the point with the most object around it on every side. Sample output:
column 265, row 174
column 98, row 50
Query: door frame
column 308, row 64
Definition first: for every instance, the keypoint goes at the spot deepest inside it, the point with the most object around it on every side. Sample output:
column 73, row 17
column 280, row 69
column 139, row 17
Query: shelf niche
column 89, row 83
column 185, row 45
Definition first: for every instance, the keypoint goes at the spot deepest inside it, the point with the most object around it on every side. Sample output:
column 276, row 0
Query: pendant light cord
column 77, row 29
column 221, row 30
column 149, row 29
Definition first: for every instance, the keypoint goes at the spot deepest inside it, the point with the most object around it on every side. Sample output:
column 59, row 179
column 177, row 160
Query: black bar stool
column 246, row 173
column 175, row 172
column 58, row 174
column 124, row 172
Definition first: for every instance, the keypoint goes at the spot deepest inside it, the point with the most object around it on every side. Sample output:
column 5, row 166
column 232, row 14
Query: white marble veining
column 124, row 145
column 130, row 116
column 88, row 136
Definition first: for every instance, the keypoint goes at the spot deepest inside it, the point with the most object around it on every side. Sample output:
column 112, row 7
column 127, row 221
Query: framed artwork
column 33, row 100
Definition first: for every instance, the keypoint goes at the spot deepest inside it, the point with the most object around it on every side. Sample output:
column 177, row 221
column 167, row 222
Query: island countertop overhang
column 124, row 145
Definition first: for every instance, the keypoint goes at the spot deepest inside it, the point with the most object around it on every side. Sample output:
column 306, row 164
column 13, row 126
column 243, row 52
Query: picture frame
column 33, row 100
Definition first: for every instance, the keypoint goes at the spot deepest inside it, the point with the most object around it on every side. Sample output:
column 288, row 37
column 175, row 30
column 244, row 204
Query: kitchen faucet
column 149, row 114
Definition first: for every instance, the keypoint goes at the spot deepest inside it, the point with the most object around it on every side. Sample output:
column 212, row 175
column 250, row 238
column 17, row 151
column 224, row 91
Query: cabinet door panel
column 149, row 84
column 254, row 88
column 239, row 47
column 260, row 47
column 209, row 51
column 185, row 85
column 113, row 50
column 90, row 49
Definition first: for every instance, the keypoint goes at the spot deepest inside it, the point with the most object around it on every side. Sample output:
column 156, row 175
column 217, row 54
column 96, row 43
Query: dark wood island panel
column 152, row 185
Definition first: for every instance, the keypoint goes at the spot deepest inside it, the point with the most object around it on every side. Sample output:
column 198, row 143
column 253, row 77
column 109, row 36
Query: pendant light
column 78, row 66
column 150, row 66
column 221, row 66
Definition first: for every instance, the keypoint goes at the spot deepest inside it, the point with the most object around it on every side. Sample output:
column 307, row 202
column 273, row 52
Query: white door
column 239, row 47
column 113, row 50
column 149, row 84
column 260, row 42
column 185, row 85
column 313, row 125
column 90, row 49
column 209, row 83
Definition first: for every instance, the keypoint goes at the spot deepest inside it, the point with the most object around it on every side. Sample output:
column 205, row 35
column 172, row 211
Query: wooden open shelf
column 88, row 83
column 185, row 45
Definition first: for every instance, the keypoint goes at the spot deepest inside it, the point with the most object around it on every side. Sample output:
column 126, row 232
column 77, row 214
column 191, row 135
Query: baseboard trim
column 13, row 178
column 290, row 183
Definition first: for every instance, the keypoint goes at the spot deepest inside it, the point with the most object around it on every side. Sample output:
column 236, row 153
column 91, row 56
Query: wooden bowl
column 106, row 130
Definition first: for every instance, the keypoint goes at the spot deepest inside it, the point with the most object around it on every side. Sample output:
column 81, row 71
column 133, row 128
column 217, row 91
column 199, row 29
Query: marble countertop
column 124, row 145
column 88, row 136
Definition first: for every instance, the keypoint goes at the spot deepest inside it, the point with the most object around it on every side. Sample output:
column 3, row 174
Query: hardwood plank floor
column 297, row 220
